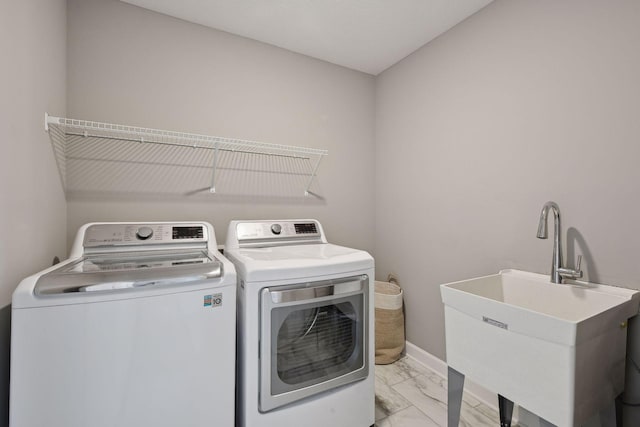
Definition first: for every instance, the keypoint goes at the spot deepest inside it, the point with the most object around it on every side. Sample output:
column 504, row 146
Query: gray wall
column 32, row 209
column 522, row 103
column 132, row 66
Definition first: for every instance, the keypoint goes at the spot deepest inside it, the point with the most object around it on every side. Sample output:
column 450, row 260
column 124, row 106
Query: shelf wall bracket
column 313, row 174
column 212, row 189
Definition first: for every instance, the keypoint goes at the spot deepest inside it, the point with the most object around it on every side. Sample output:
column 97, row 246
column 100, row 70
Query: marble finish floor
column 410, row 395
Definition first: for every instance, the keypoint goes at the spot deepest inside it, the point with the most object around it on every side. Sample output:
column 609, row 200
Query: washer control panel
column 143, row 234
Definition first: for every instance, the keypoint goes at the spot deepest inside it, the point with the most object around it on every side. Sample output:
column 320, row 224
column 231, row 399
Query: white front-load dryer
column 305, row 327
column 136, row 328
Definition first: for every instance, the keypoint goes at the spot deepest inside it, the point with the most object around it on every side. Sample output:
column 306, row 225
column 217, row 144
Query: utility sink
column 558, row 350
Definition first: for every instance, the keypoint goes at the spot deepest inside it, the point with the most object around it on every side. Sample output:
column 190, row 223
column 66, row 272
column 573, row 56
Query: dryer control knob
column 276, row 228
column 144, row 233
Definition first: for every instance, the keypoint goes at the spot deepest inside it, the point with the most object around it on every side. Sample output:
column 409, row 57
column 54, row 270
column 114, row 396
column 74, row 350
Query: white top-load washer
column 136, row 328
column 305, row 327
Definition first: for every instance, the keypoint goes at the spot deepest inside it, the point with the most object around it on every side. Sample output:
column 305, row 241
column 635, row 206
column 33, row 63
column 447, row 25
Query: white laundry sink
column 556, row 349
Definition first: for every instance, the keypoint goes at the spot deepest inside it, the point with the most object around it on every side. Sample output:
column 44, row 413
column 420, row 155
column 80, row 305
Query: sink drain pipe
column 631, row 395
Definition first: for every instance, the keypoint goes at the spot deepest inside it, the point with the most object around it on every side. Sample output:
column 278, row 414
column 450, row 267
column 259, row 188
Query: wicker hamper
column 389, row 322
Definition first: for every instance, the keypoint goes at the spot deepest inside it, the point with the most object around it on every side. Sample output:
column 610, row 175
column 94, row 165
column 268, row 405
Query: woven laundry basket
column 389, row 322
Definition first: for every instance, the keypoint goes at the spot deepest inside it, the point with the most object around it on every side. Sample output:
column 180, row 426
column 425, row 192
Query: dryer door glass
column 315, row 342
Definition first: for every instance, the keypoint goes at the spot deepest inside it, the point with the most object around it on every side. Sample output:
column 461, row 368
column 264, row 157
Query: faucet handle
column 568, row 273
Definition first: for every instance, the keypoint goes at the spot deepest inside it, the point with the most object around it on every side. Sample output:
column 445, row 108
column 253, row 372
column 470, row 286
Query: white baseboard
column 439, row 367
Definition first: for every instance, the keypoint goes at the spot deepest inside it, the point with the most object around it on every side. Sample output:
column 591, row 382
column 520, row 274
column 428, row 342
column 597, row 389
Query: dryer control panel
column 99, row 235
column 277, row 232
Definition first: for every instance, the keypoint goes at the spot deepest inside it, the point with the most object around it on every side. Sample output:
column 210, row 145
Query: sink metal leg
column 506, row 411
column 454, row 397
column 608, row 416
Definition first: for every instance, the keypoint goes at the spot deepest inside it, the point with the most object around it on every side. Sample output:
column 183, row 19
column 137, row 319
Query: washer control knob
column 144, row 233
column 276, row 228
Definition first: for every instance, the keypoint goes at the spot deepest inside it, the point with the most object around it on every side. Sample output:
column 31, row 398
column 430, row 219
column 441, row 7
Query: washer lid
column 297, row 261
column 110, row 272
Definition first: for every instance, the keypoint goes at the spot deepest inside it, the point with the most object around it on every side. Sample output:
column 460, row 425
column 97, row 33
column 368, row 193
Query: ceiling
column 365, row 35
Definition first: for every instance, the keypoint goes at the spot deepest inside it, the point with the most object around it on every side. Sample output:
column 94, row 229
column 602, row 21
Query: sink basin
column 556, row 349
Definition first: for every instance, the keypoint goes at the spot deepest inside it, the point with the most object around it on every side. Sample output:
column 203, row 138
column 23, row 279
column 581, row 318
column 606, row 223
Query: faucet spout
column 556, row 263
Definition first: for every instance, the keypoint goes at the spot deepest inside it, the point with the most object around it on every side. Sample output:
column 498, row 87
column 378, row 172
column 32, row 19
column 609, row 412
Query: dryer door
column 313, row 338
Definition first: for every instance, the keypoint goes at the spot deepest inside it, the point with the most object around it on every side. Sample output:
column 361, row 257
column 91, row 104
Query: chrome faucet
column 558, row 272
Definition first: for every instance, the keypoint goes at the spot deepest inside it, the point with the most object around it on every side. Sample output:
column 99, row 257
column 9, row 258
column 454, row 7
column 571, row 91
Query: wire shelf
column 95, row 156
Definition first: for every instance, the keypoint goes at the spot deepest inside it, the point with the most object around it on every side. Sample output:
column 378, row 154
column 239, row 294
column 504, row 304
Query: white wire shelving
column 95, row 155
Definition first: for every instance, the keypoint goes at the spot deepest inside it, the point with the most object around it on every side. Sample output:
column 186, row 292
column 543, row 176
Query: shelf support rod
column 213, row 169
column 313, row 174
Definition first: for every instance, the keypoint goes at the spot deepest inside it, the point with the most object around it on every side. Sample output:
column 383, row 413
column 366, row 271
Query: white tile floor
column 410, row 395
